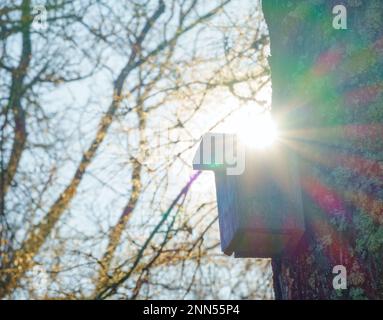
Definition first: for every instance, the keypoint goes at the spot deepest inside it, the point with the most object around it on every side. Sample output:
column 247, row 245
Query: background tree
column 327, row 92
column 99, row 116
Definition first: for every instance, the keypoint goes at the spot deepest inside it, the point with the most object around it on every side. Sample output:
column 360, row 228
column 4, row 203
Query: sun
column 253, row 123
column 257, row 130
column 254, row 126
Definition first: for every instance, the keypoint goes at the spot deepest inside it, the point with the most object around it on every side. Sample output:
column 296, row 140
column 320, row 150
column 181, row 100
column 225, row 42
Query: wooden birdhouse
column 258, row 195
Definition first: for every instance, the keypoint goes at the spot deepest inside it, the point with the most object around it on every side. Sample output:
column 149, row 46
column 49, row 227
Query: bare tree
column 136, row 78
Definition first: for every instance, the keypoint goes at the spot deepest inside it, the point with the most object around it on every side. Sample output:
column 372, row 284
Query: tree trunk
column 328, row 98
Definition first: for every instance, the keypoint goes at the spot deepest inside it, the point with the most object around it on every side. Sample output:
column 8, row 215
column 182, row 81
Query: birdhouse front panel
column 260, row 211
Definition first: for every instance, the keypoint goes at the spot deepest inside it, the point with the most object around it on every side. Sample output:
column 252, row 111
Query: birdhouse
column 258, row 195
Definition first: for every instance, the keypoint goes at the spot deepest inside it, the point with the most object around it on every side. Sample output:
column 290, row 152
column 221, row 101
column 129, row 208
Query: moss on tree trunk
column 328, row 96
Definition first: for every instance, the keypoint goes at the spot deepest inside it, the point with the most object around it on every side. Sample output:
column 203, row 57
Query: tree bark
column 328, row 98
